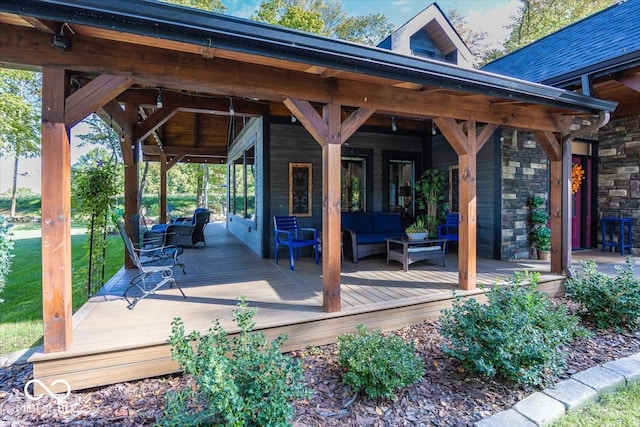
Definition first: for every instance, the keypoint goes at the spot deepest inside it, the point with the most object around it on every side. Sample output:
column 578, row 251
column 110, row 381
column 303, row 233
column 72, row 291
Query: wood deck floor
column 113, row 344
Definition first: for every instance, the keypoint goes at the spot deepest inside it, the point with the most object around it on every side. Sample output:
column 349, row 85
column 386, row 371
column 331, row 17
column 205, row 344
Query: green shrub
column 515, row 335
column 377, row 364
column 611, row 301
column 240, row 380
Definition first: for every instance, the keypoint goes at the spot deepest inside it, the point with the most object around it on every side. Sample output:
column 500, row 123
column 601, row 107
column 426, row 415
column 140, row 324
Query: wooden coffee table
column 408, row 251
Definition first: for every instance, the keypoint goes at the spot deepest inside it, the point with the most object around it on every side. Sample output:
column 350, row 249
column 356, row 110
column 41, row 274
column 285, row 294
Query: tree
column 209, row 5
column 476, row 41
column 19, row 119
column 539, row 18
column 324, row 17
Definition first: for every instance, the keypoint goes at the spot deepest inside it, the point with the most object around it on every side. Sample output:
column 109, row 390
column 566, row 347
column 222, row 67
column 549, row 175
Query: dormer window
column 422, row 52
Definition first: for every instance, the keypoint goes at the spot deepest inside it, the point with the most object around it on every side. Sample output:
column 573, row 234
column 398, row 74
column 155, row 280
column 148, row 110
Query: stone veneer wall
column 619, row 174
column 525, row 173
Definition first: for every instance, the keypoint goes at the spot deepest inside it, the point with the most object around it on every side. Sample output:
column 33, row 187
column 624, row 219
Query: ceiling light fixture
column 393, row 124
column 60, row 40
column 433, row 128
column 159, row 100
column 293, row 119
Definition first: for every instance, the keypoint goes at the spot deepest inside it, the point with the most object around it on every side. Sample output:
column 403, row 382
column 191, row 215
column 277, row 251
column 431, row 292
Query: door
column 582, row 202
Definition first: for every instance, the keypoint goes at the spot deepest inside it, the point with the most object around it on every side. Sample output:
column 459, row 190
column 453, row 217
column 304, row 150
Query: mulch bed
column 447, row 395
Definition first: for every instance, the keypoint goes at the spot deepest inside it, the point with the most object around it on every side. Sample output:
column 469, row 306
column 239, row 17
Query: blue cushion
column 159, row 228
column 368, row 238
column 358, row 222
column 387, row 223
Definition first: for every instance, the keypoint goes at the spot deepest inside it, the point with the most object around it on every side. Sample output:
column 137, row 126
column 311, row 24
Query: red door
column 581, row 221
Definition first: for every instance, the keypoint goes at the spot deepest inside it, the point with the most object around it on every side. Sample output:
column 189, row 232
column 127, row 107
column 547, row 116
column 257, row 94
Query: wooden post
column 330, row 133
column 163, row 188
column 56, row 214
column 131, row 207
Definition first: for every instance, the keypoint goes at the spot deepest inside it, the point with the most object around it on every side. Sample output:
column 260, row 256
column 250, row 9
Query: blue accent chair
column 287, row 232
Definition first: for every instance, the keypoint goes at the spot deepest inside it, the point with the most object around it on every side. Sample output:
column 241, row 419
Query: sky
column 490, row 16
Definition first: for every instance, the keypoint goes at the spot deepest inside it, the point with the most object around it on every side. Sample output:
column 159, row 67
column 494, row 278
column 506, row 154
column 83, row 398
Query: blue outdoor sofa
column 364, row 233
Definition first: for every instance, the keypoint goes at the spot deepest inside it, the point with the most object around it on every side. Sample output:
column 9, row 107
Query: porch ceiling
column 204, row 61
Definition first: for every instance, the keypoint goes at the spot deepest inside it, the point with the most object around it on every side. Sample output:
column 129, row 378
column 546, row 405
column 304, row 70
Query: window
column 353, row 184
column 242, row 174
column 402, row 187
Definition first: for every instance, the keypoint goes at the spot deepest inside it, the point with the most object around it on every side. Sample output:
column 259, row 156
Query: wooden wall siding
column 487, row 199
column 487, row 186
column 292, row 143
column 525, row 173
column 250, row 232
column 619, row 174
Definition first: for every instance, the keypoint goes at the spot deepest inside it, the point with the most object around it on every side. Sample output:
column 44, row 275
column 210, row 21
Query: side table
column 408, row 251
column 608, row 227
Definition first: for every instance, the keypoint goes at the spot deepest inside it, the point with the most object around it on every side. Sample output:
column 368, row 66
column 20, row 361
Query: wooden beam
column 567, row 164
column 549, row 144
column 354, row 121
column 483, row 136
column 93, row 96
column 154, row 121
column 56, row 215
column 131, row 179
column 310, row 119
column 172, row 150
column 174, row 160
column 114, row 111
column 156, row 66
column 466, row 147
column 555, row 215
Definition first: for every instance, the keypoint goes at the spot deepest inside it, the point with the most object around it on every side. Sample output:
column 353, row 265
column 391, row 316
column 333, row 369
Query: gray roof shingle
column 609, row 37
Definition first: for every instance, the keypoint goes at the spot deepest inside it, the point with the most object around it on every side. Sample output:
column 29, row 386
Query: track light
column 393, row 124
column 293, row 119
column 159, row 100
column 232, row 111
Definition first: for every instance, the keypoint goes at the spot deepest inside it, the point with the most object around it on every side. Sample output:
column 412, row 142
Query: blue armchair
column 449, row 230
column 288, row 233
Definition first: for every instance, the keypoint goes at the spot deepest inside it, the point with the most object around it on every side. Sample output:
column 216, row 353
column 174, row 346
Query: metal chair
column 287, row 232
column 147, row 271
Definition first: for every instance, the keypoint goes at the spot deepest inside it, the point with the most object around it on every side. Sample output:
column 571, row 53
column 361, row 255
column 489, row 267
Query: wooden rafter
column 93, row 96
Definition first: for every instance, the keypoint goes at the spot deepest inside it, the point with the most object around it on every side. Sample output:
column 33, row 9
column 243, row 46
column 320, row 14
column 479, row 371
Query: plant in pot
column 417, row 230
column 430, row 196
column 540, row 233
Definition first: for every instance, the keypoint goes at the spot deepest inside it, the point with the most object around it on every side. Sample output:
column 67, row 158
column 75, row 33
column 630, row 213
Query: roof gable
column 429, row 34
column 604, row 39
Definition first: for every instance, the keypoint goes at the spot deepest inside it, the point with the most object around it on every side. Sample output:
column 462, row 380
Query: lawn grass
column 21, row 313
column 621, row 408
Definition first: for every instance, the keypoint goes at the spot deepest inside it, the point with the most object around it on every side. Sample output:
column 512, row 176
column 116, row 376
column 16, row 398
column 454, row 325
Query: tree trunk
column 14, row 190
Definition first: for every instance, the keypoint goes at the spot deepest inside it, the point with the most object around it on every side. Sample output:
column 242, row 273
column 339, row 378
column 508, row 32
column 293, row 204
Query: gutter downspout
column 603, row 119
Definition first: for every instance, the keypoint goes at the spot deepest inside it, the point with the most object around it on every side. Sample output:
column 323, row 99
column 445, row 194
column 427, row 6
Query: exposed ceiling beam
column 157, row 67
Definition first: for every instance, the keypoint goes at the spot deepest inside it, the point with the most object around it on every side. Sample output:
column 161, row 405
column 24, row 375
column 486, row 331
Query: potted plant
column 417, row 230
column 430, row 197
column 540, row 233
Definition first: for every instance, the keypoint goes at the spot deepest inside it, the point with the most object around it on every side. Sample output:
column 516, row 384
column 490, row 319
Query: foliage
column 240, row 380
column 377, row 364
column 577, row 176
column 418, row 226
column 21, row 313
column 539, row 18
column 476, row 41
column 6, row 246
column 611, row 301
column 430, row 197
column 94, row 190
column 538, row 217
column 324, row 17
column 208, row 5
column 102, row 135
column 517, row 334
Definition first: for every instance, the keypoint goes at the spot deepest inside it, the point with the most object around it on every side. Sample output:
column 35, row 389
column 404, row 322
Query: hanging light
column 393, row 124
column 433, row 128
column 293, row 119
column 159, row 99
column 232, row 111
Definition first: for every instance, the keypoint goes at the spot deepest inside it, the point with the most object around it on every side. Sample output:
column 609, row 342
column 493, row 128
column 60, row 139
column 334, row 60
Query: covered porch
column 114, row 344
